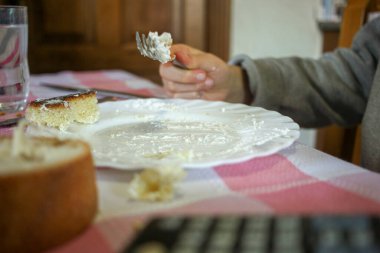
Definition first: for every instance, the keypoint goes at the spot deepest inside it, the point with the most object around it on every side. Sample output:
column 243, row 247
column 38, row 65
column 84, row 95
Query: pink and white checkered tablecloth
column 298, row 179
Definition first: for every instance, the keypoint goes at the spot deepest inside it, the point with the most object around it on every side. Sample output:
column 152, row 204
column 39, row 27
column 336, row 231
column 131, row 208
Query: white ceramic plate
column 141, row 133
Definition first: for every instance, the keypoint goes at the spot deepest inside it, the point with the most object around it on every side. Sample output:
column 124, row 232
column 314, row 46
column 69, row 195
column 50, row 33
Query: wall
column 277, row 28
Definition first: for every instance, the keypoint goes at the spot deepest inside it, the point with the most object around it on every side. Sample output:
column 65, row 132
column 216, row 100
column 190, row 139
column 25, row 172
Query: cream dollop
column 163, row 43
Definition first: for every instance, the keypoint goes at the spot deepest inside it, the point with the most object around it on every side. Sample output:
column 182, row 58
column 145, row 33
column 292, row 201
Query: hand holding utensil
column 157, row 48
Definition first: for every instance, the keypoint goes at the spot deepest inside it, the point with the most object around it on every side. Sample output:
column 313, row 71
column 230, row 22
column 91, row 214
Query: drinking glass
column 14, row 70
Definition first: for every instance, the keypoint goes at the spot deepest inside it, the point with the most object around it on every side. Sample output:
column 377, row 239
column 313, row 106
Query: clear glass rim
column 13, row 14
column 12, row 7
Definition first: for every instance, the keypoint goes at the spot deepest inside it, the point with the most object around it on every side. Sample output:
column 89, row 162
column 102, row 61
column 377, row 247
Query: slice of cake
column 47, row 190
column 60, row 112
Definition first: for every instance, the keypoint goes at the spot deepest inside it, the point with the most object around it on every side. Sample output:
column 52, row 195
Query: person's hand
column 206, row 77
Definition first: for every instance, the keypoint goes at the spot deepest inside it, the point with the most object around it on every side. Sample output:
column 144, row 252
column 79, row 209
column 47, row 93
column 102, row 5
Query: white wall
column 277, row 28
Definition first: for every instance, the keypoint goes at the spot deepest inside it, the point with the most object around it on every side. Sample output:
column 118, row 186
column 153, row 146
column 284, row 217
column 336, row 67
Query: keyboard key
column 254, row 240
column 191, row 239
column 330, row 237
column 223, row 240
column 361, row 238
column 199, row 223
column 170, row 223
column 228, row 223
column 287, row 240
column 257, row 224
column 288, row 223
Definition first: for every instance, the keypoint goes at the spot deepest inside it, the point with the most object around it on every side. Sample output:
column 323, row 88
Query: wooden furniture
column 330, row 32
column 335, row 140
column 89, row 34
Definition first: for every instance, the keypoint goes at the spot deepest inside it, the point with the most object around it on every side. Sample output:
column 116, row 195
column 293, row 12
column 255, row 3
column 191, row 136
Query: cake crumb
column 155, row 184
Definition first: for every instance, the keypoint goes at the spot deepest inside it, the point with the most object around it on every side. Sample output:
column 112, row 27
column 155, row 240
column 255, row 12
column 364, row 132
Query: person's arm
column 333, row 89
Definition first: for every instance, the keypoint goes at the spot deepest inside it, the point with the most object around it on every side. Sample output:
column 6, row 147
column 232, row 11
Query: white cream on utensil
column 163, row 43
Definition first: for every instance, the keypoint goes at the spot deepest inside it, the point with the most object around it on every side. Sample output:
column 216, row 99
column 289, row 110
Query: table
column 296, row 180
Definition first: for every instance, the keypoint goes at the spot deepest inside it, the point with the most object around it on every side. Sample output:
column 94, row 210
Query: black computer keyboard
column 260, row 234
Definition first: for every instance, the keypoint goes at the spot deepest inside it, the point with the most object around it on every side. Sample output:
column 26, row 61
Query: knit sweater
column 342, row 87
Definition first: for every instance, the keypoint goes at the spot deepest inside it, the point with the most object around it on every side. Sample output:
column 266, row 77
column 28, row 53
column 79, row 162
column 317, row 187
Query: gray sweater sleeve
column 332, row 89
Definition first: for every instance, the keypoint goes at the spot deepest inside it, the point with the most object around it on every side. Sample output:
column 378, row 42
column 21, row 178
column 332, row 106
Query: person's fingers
column 203, row 72
column 183, row 53
column 195, row 59
column 187, row 87
column 208, row 83
column 169, row 71
column 204, row 61
column 180, row 87
column 188, row 95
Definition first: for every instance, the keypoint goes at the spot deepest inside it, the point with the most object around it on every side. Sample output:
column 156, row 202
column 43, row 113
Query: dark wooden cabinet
column 100, row 34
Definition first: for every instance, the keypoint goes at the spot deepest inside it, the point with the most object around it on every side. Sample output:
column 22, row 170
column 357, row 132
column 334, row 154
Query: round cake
column 47, row 191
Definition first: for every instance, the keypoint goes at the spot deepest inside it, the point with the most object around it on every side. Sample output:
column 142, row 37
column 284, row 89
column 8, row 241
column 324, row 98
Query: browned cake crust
column 62, row 101
column 45, row 207
column 60, row 112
